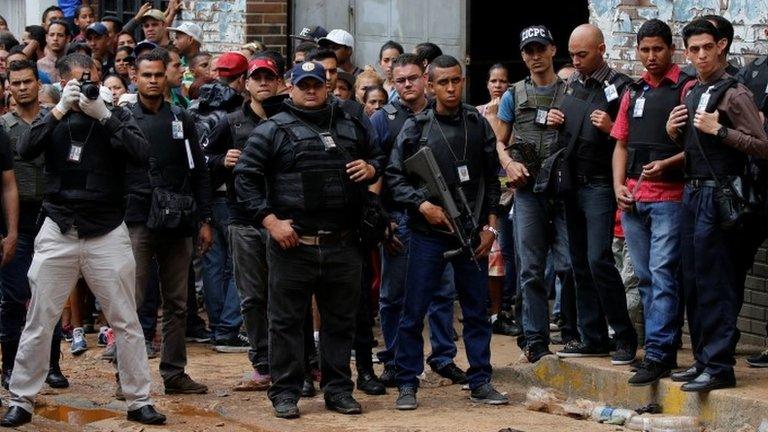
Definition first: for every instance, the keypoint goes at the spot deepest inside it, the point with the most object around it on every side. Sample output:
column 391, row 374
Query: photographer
column 85, row 146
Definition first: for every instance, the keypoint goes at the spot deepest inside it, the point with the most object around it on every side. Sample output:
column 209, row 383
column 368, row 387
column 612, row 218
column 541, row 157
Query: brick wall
column 228, row 24
column 620, row 19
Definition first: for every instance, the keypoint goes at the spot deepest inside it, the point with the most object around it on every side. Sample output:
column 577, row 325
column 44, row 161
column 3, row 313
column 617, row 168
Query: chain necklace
column 448, row 144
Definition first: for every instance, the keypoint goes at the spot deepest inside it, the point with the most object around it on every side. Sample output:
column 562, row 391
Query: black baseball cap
column 311, row 34
column 536, row 33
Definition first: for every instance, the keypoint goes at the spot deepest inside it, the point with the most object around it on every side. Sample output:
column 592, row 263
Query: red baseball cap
column 262, row 63
column 232, row 63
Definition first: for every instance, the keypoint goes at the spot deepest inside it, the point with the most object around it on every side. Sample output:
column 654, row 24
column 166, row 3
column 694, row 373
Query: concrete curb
column 597, row 380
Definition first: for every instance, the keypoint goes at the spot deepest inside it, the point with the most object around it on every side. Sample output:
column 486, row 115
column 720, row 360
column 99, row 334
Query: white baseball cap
column 189, row 29
column 339, row 37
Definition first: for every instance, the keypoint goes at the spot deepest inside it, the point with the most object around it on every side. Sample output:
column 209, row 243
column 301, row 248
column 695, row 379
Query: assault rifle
column 424, row 166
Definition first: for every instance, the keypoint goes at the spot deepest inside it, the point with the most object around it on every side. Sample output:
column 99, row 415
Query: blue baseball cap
column 98, row 28
column 307, row 69
column 144, row 45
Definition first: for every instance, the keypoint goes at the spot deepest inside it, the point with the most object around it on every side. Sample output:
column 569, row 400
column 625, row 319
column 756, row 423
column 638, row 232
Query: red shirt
column 649, row 190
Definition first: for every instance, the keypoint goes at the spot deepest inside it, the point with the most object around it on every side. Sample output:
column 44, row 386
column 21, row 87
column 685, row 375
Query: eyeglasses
column 411, row 79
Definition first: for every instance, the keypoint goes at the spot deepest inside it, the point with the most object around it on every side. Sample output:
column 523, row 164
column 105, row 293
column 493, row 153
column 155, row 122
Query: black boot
column 9, row 356
column 55, row 378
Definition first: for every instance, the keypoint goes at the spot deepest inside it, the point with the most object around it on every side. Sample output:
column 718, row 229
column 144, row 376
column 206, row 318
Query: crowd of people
column 298, row 199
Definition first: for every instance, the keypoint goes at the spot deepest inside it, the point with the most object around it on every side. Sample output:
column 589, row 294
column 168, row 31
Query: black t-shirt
column 6, row 164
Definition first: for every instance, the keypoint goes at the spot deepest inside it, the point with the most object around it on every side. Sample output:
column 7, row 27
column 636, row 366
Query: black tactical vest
column 531, row 142
column 755, row 77
column 98, row 175
column 29, row 174
column 396, row 117
column 317, row 179
column 594, row 148
column 648, row 140
column 725, row 160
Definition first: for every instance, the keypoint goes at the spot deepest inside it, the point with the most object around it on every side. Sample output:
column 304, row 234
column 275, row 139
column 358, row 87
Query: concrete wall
column 620, row 19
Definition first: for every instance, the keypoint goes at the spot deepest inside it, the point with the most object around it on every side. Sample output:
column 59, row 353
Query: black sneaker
column 452, row 372
column 534, row 352
column 649, row 372
column 488, row 395
column 759, row 360
column 200, row 335
column 580, row 349
column 406, row 400
column 286, row 408
column 237, row 344
column 369, row 383
column 505, row 325
column 343, row 403
column 625, row 354
column 388, row 376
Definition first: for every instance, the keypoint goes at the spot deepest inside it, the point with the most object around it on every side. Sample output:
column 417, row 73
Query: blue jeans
column 425, row 268
column 507, row 245
column 540, row 226
column 590, row 212
column 652, row 233
column 715, row 263
column 440, row 312
column 222, row 301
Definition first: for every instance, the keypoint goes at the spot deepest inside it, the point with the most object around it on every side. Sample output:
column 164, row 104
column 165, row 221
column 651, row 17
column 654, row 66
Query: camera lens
column 91, row 91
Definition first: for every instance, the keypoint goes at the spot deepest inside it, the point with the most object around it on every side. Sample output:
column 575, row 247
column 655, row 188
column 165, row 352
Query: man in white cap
column 342, row 43
column 187, row 39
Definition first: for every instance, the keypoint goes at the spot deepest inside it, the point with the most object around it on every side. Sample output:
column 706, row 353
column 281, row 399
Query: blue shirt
column 507, row 106
column 69, row 7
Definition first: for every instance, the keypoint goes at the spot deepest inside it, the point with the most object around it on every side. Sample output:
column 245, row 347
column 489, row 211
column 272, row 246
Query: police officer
column 176, row 164
column 585, row 118
column 522, row 115
column 463, row 144
column 85, row 145
column 648, row 183
column 247, row 240
column 301, row 176
column 409, row 79
column 24, row 86
column 718, row 125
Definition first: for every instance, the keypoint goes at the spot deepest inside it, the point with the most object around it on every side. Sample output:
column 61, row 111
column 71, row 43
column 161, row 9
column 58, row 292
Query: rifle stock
column 424, row 166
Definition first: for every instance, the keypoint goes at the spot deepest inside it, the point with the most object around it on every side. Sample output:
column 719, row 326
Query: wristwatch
column 492, row 230
column 722, row 132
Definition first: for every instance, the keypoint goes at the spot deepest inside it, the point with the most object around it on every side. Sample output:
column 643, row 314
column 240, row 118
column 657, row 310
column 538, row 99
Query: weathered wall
column 620, row 20
column 228, row 24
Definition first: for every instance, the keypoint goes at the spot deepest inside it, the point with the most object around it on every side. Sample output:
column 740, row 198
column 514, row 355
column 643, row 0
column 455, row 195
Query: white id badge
column 639, row 107
column 75, row 152
column 190, row 159
column 178, row 129
column 541, row 116
column 463, row 172
column 611, row 94
column 703, row 102
column 328, row 142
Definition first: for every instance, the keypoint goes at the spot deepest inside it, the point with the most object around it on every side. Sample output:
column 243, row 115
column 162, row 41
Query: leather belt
column 584, row 180
column 697, row 183
column 324, row 238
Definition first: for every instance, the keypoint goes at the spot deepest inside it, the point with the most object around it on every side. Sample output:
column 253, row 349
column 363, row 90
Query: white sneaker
column 79, row 345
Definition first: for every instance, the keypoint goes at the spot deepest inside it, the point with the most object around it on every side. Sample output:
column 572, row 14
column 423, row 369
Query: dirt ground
column 442, row 408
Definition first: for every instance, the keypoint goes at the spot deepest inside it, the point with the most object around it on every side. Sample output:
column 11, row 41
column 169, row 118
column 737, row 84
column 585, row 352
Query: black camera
column 89, row 88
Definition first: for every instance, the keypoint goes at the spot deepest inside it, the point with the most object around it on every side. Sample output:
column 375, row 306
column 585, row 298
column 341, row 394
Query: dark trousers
column 507, row 244
column 715, row 263
column 590, row 211
column 332, row 273
column 148, row 309
column 249, row 261
column 14, row 297
column 426, row 265
column 173, row 255
column 363, row 344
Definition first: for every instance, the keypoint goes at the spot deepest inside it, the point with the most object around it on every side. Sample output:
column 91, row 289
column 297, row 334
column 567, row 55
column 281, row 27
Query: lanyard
column 448, row 144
